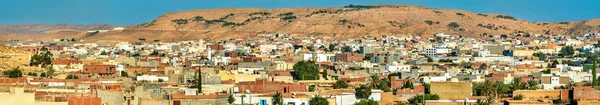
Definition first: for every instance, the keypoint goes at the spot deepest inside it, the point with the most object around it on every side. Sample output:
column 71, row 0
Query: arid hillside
column 355, row 21
column 349, row 22
column 39, row 28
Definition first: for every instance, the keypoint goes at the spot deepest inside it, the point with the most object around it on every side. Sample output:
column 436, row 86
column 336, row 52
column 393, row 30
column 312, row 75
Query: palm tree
column 488, row 87
column 501, row 89
column 487, row 101
column 374, row 81
column 277, row 99
column 318, row 100
column 517, row 84
column 532, row 84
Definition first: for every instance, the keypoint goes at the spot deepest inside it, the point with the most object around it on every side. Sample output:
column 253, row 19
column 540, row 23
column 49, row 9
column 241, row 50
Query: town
column 279, row 69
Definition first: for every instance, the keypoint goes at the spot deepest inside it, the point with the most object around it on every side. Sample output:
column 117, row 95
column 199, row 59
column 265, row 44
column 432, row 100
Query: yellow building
column 282, row 65
column 523, row 52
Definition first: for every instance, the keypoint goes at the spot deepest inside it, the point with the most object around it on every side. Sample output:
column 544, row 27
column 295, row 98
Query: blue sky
column 127, row 12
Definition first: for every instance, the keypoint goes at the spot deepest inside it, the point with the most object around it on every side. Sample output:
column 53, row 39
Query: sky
column 129, row 12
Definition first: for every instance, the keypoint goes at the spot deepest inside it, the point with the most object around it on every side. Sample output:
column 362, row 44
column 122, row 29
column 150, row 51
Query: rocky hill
column 349, row 22
column 354, row 21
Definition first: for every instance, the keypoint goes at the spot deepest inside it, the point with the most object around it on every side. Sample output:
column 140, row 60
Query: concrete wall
column 111, row 97
column 18, row 97
column 538, row 94
column 218, row 101
column 452, row 90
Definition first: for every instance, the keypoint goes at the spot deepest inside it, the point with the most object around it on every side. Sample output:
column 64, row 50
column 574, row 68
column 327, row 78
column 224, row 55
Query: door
column 176, row 102
column 263, row 102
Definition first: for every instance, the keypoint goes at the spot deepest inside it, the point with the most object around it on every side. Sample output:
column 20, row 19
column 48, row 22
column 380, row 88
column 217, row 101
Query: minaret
column 209, row 55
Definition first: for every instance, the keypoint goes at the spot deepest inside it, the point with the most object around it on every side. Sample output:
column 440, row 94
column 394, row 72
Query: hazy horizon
column 130, row 12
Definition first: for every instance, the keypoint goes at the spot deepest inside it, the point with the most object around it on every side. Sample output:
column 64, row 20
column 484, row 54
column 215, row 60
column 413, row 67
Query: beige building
column 17, row 96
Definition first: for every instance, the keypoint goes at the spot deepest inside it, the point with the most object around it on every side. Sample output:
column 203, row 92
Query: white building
column 397, row 68
column 350, row 99
column 249, row 70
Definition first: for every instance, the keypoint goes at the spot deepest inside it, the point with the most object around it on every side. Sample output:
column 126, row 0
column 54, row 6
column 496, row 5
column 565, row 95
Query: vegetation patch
column 288, row 16
column 397, row 24
column 259, row 13
column 438, row 12
column 350, row 24
column 460, row 14
column 506, row 17
column 563, row 22
column 360, row 6
column 492, row 26
column 453, row 25
column 480, row 14
column 430, row 22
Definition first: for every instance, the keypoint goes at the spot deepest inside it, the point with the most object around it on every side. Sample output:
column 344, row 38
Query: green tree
column 408, row 85
column 362, row 92
column 124, row 74
column 547, row 71
column 347, row 49
column 311, row 88
column 331, row 47
column 567, row 51
column 339, row 84
column 540, row 55
column 318, row 100
column 14, row 73
column 367, row 58
column 594, row 60
column 367, row 102
column 43, row 74
column 43, row 58
column 230, row 99
column 421, row 98
column 427, row 87
column 71, row 76
column 197, row 83
column 277, row 99
column 429, row 59
column 306, row 70
column 32, row 74
column 73, row 40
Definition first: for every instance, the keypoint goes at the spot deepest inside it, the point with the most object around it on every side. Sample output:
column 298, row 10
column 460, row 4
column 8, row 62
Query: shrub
column 480, row 14
column 180, row 21
column 518, row 97
column 506, row 17
column 71, row 76
column 360, row 6
column 14, row 73
column 453, row 25
column 460, row 14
